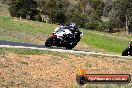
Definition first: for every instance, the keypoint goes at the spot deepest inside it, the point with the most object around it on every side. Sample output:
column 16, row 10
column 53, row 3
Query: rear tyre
column 125, row 52
column 49, row 42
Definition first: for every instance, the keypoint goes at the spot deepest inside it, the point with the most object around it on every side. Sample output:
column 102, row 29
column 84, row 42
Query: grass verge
column 103, row 42
column 14, row 29
column 4, row 51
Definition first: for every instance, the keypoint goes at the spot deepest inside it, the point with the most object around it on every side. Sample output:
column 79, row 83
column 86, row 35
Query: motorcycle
column 63, row 38
column 128, row 50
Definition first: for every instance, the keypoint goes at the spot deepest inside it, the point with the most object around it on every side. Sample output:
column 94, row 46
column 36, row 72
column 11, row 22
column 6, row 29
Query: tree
column 82, row 5
column 23, row 8
column 107, row 8
column 74, row 15
column 87, row 14
column 123, row 9
column 55, row 9
column 5, row 1
column 97, row 7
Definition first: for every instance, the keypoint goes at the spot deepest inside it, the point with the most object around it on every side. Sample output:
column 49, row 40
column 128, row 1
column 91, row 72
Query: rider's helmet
column 73, row 27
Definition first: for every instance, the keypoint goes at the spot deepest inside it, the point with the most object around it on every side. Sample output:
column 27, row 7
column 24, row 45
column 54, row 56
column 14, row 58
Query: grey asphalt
column 3, row 42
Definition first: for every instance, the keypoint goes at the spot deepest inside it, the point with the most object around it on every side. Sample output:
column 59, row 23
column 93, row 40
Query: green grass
column 15, row 29
column 14, row 24
column 103, row 42
column 4, row 51
column 119, row 35
column 22, row 51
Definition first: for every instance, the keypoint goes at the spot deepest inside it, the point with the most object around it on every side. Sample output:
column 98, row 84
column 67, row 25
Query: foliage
column 97, row 25
column 86, row 13
column 107, row 7
column 121, row 13
column 55, row 9
column 104, row 41
column 23, row 8
column 97, row 7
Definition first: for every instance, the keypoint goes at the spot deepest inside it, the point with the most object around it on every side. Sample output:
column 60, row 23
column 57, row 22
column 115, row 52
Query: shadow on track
column 3, row 42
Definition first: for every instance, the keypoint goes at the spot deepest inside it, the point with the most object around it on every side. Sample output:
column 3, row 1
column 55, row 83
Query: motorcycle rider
column 72, row 27
column 75, row 30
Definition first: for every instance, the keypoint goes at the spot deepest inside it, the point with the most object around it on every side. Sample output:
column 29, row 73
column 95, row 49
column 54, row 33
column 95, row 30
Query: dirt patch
column 49, row 71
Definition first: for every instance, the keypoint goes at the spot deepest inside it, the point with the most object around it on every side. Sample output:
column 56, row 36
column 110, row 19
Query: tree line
column 86, row 13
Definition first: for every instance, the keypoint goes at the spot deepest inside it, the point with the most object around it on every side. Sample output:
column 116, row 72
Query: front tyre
column 68, row 47
column 126, row 52
column 71, row 45
column 49, row 42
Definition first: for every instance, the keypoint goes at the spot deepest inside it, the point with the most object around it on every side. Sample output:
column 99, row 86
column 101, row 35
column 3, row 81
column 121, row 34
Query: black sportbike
column 128, row 50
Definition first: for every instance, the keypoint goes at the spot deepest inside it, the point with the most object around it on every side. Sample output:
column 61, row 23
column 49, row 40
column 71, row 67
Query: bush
column 102, row 26
column 91, row 25
column 97, row 25
column 38, row 18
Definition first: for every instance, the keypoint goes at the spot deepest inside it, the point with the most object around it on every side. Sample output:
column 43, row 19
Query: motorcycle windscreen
column 60, row 34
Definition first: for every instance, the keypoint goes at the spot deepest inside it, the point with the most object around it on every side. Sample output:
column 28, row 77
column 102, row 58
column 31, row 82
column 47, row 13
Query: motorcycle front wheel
column 125, row 52
column 71, row 45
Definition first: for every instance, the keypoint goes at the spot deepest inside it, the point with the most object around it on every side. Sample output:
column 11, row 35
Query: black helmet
column 73, row 27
